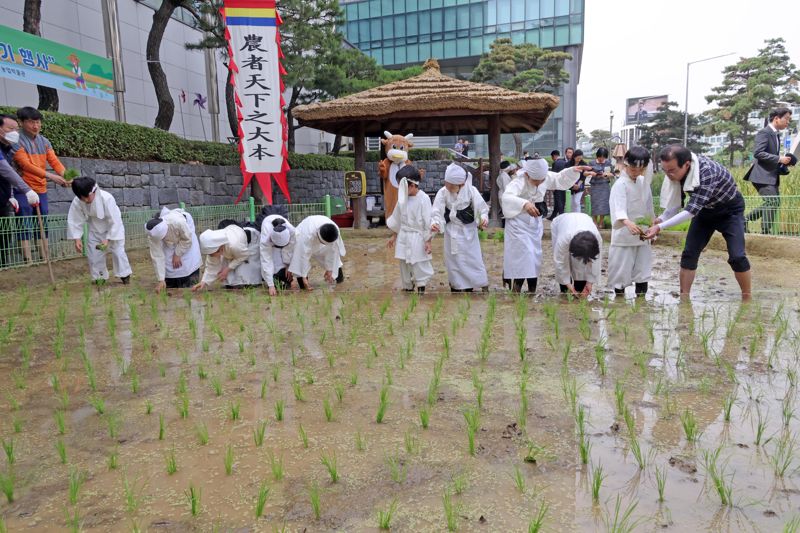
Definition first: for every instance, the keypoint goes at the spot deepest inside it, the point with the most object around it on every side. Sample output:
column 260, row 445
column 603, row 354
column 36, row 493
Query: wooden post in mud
column 360, row 204
column 494, row 168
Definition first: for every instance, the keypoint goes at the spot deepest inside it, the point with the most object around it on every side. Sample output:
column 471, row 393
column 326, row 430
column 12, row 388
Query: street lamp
column 686, row 102
column 611, row 123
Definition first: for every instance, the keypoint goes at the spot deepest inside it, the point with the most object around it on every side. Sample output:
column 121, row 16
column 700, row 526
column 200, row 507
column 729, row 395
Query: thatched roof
column 430, row 104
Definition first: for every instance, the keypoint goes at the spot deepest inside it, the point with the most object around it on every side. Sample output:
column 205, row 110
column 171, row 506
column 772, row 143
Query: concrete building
column 400, row 33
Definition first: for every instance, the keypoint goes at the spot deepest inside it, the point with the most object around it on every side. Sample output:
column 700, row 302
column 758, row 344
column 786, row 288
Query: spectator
column 466, row 148
column 31, row 155
column 579, row 187
column 599, row 185
column 459, row 147
column 559, row 197
column 765, row 174
column 9, row 135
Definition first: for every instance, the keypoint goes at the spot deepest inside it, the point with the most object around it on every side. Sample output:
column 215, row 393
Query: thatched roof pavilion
column 431, row 104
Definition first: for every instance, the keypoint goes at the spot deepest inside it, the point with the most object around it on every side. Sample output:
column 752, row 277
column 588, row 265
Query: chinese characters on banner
column 254, row 48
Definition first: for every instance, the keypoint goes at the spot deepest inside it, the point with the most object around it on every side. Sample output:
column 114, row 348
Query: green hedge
column 415, row 154
column 76, row 136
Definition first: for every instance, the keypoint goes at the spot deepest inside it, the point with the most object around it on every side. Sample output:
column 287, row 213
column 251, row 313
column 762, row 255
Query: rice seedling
column 536, row 523
column 314, row 497
column 383, row 404
column 519, row 479
column 361, row 442
column 298, row 391
column 279, row 406
column 787, row 410
column 233, row 409
column 228, row 459
column 73, row 518
column 450, row 511
column 58, row 416
column 727, row 405
column 113, row 423
column 171, row 461
column 472, row 418
column 619, row 395
column 783, row 456
column 535, row 453
column 76, row 480
column 276, row 465
column 722, row 485
column 330, row 463
column 600, row 355
column 689, row 424
column 62, row 451
column 661, row 481
column 459, row 483
column 258, row 433
column 183, row 406
column 98, row 403
column 216, row 385
column 385, row 517
column 424, row 416
column 16, row 424
column 8, row 447
column 411, row 443
column 569, row 386
column 161, row 427
column 597, row 482
column 761, row 426
column 622, row 520
column 7, row 485
column 580, row 421
column 183, row 385
column 303, row 436
column 261, row 499
column 792, row 526
column 354, row 378
column 113, row 459
column 193, row 497
column 584, row 448
column 398, row 469
column 232, row 374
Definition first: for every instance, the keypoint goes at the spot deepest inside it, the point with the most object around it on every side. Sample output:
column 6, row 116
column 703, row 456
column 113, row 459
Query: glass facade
column 456, row 32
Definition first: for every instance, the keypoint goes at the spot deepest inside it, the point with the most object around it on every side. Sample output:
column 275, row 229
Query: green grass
column 261, row 499
column 385, row 517
column 330, row 463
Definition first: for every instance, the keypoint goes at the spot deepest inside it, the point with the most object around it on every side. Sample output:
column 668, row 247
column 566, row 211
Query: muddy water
column 668, row 358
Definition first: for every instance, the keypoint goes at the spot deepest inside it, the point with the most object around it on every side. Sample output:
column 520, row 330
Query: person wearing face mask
column 10, row 181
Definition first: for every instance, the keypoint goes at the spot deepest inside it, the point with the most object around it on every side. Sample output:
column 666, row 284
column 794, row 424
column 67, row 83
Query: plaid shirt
column 716, row 187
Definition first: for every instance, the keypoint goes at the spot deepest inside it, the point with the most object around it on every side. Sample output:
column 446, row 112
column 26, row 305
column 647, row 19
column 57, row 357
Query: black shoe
column 641, row 289
column 619, row 291
column 421, row 290
column 126, row 280
column 340, row 277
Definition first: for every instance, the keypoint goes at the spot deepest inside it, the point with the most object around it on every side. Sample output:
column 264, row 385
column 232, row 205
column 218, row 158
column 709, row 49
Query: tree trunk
column 230, row 105
column 290, row 118
column 31, row 20
column 166, row 106
column 337, row 144
column 517, row 145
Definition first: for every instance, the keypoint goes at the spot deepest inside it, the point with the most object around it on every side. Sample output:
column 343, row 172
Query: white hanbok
column 569, row 269
column 179, row 240
column 249, row 271
column 630, row 259
column 310, row 248
column 274, row 259
column 462, row 248
column 522, row 248
column 411, row 221
column 234, row 255
column 104, row 221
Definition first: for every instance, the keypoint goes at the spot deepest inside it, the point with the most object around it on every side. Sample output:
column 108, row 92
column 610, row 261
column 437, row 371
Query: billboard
column 30, row 59
column 643, row 109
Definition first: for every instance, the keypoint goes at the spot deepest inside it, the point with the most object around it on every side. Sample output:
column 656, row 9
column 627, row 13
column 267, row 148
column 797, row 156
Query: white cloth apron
column 522, row 247
column 191, row 260
column 249, row 271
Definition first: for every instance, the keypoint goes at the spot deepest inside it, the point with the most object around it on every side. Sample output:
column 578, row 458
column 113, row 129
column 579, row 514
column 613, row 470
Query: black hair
column 637, row 156
column 601, row 152
column 504, row 165
column 409, row 172
column 555, row 153
column 779, row 113
column 676, row 152
column 329, row 232
column 152, row 223
column 575, row 155
column 569, row 148
column 224, row 223
column 3, row 118
column 584, row 246
column 28, row 113
column 82, row 187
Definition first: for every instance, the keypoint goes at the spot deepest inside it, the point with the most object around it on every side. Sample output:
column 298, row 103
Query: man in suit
column 559, row 197
column 765, row 174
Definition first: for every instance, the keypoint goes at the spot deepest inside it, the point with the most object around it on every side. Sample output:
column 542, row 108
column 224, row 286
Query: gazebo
column 431, row 104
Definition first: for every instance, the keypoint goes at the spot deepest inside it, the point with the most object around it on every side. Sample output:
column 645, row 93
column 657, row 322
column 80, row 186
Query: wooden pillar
column 494, row 168
column 360, row 204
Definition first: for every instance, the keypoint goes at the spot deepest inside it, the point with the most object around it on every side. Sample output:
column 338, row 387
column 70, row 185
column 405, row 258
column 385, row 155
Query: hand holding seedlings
column 633, row 228
column 103, row 246
column 223, row 274
column 531, row 209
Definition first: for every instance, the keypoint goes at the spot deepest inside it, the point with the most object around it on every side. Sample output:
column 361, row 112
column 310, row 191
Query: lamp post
column 686, row 102
column 611, row 123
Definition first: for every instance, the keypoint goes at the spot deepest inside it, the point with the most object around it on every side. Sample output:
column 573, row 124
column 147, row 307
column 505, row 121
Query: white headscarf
column 280, row 235
column 455, row 174
column 535, row 169
column 212, row 239
column 159, row 231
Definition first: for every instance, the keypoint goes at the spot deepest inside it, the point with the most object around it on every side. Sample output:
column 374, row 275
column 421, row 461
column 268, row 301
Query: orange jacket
column 31, row 156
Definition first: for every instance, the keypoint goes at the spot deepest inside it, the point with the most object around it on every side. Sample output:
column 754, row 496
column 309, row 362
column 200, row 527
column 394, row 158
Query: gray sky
column 663, row 36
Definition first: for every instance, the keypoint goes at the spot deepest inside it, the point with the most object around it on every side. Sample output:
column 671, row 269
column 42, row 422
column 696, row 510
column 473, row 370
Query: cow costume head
column 397, row 147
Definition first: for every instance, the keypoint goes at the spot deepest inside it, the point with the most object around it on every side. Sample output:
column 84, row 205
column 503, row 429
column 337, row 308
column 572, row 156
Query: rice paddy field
column 365, row 408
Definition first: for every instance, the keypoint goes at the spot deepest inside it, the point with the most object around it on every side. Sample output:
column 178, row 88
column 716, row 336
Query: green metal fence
column 20, row 233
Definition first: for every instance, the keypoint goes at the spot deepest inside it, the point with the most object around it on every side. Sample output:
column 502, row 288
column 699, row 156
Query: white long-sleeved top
column 102, row 216
column 308, row 246
column 273, row 258
column 562, row 230
column 180, row 240
column 411, row 221
column 630, row 200
column 502, row 182
column 521, row 191
column 234, row 254
column 467, row 195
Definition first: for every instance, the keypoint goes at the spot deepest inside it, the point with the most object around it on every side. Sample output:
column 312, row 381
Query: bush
column 92, row 138
column 415, row 154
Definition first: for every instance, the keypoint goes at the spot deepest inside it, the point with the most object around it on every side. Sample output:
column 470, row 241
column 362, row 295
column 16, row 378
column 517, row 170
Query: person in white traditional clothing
column 630, row 256
column 411, row 224
column 247, row 274
column 317, row 240
column 523, row 206
column 174, row 249
column 99, row 210
column 577, row 246
column 507, row 169
column 226, row 250
column 277, row 248
column 460, row 211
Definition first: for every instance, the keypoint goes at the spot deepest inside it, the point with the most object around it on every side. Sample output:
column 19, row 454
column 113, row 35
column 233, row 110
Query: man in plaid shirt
column 715, row 204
